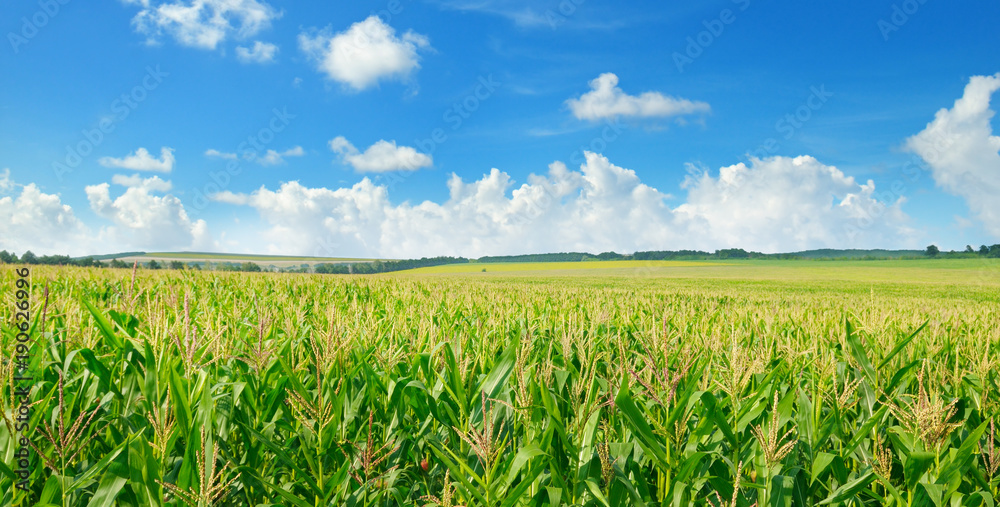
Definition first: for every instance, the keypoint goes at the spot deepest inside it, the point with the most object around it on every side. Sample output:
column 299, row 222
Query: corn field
column 185, row 388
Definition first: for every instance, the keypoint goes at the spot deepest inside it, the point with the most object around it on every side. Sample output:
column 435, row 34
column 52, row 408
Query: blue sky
column 573, row 125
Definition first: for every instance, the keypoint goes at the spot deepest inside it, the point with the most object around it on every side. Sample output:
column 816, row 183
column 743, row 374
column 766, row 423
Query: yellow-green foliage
column 728, row 386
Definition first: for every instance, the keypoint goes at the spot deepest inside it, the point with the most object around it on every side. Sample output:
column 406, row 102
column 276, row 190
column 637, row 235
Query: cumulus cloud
column 787, row 204
column 365, row 53
column 776, row 204
column 607, row 100
column 154, row 184
column 40, row 222
column 142, row 160
column 272, row 157
column 382, row 156
column 202, row 24
column 146, row 221
column 260, row 52
column 962, row 152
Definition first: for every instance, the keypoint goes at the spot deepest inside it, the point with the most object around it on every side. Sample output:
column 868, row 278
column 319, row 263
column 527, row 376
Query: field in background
column 777, row 382
column 264, row 261
column 535, row 267
column 911, row 273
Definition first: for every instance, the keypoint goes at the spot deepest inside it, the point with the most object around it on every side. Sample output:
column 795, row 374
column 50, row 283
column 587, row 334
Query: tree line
column 367, row 268
column 992, row 251
column 387, row 266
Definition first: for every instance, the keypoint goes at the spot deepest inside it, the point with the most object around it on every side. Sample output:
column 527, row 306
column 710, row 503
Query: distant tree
column 153, row 264
column 176, row 265
column 984, row 250
column 732, row 253
column 252, row 267
column 994, row 251
column 56, row 260
column 88, row 262
column 362, row 268
column 968, row 249
column 194, row 265
column 932, row 251
column 9, row 258
column 331, row 269
column 29, row 258
column 117, row 263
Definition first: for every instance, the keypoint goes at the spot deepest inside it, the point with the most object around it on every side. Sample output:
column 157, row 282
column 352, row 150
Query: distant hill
column 249, row 257
column 829, row 253
column 824, row 253
column 732, row 253
column 111, row 256
column 548, row 257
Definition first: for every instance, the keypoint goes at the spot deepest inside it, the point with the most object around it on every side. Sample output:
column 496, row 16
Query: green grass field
column 900, row 276
column 596, row 384
column 536, row 267
column 241, row 257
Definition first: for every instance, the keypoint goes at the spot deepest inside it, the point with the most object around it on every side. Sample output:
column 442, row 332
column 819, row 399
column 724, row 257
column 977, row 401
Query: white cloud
column 365, row 53
column 141, row 160
column 607, row 100
column 382, row 156
column 212, row 153
column 6, row 184
column 260, row 52
column 962, row 152
column 523, row 14
column 788, row 204
column 203, row 24
column 154, row 184
column 40, row 222
column 272, row 157
column 229, row 197
column 146, row 221
column 777, row 204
